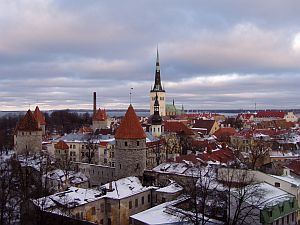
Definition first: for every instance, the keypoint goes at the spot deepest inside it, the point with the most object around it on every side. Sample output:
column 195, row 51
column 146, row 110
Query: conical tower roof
column 39, row 116
column 130, row 127
column 28, row 123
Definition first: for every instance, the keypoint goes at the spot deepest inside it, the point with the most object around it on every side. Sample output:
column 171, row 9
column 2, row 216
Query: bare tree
column 240, row 189
column 258, row 152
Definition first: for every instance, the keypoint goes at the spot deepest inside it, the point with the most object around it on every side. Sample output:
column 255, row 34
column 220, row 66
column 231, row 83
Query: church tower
column 130, row 152
column 158, row 89
column 156, row 127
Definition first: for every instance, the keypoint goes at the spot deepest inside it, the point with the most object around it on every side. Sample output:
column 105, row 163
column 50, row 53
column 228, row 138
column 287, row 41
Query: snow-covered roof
column 283, row 154
column 70, row 198
column 164, row 214
column 289, row 179
column 158, row 215
column 125, row 187
column 178, row 168
column 72, row 176
column 270, row 196
column 83, row 137
column 171, row 188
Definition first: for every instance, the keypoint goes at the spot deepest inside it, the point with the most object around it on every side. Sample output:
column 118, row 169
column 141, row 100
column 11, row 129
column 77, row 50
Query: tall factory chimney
column 95, row 104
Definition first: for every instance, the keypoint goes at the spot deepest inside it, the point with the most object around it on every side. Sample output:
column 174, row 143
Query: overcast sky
column 216, row 54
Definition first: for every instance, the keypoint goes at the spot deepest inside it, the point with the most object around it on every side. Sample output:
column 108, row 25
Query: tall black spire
column 157, row 83
column 156, row 118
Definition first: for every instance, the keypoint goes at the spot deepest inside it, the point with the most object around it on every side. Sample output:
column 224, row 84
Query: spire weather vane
column 130, row 94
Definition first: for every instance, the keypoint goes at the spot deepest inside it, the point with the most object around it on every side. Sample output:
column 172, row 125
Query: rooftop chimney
column 95, row 104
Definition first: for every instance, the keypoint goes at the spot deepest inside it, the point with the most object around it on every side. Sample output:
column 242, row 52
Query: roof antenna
column 130, row 94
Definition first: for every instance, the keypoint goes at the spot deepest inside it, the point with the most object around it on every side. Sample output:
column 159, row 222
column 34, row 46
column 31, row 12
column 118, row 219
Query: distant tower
column 100, row 120
column 28, row 135
column 158, row 89
column 130, row 152
column 40, row 119
column 156, row 120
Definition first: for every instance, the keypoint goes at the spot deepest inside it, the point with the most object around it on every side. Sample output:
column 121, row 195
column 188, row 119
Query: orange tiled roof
column 100, row 115
column 61, row 145
column 130, row 127
column 39, row 116
column 28, row 123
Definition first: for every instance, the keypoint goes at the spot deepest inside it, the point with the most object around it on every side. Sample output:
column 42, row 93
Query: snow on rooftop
column 72, row 197
column 283, row 154
column 157, row 215
column 178, row 168
column 270, row 196
column 125, row 187
column 171, row 188
column 166, row 214
column 289, row 179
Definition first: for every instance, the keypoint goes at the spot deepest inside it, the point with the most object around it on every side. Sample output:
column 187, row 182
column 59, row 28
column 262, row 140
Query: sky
column 217, row 54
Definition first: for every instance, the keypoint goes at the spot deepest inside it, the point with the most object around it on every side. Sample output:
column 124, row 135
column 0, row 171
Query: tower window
column 120, row 166
column 137, row 143
column 161, row 98
column 126, row 143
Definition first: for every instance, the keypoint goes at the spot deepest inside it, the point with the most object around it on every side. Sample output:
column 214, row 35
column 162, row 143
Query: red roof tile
column 39, row 116
column 100, row 115
column 28, row 123
column 130, row 127
column 61, row 145
column 294, row 166
column 225, row 131
column 272, row 114
column 177, row 127
column 207, row 124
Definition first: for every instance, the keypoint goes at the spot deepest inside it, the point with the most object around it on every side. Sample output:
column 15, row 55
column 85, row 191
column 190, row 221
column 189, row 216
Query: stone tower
column 100, row 120
column 41, row 119
column 156, row 127
column 130, row 152
column 158, row 89
column 28, row 135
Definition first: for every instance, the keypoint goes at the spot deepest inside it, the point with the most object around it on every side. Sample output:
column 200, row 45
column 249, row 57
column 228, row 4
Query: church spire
column 157, row 82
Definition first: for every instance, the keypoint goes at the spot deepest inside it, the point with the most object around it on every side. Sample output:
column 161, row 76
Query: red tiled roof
column 28, row 123
column 61, row 145
column 207, row 124
column 39, row 116
column 177, row 127
column 225, row 131
column 130, row 127
column 100, row 115
column 223, row 156
column 294, row 166
column 273, row 114
column 85, row 130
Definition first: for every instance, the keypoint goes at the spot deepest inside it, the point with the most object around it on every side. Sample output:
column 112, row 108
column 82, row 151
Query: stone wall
column 97, row 174
column 130, row 157
column 28, row 142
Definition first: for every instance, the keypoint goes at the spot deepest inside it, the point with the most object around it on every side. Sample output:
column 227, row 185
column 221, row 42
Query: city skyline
column 213, row 55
